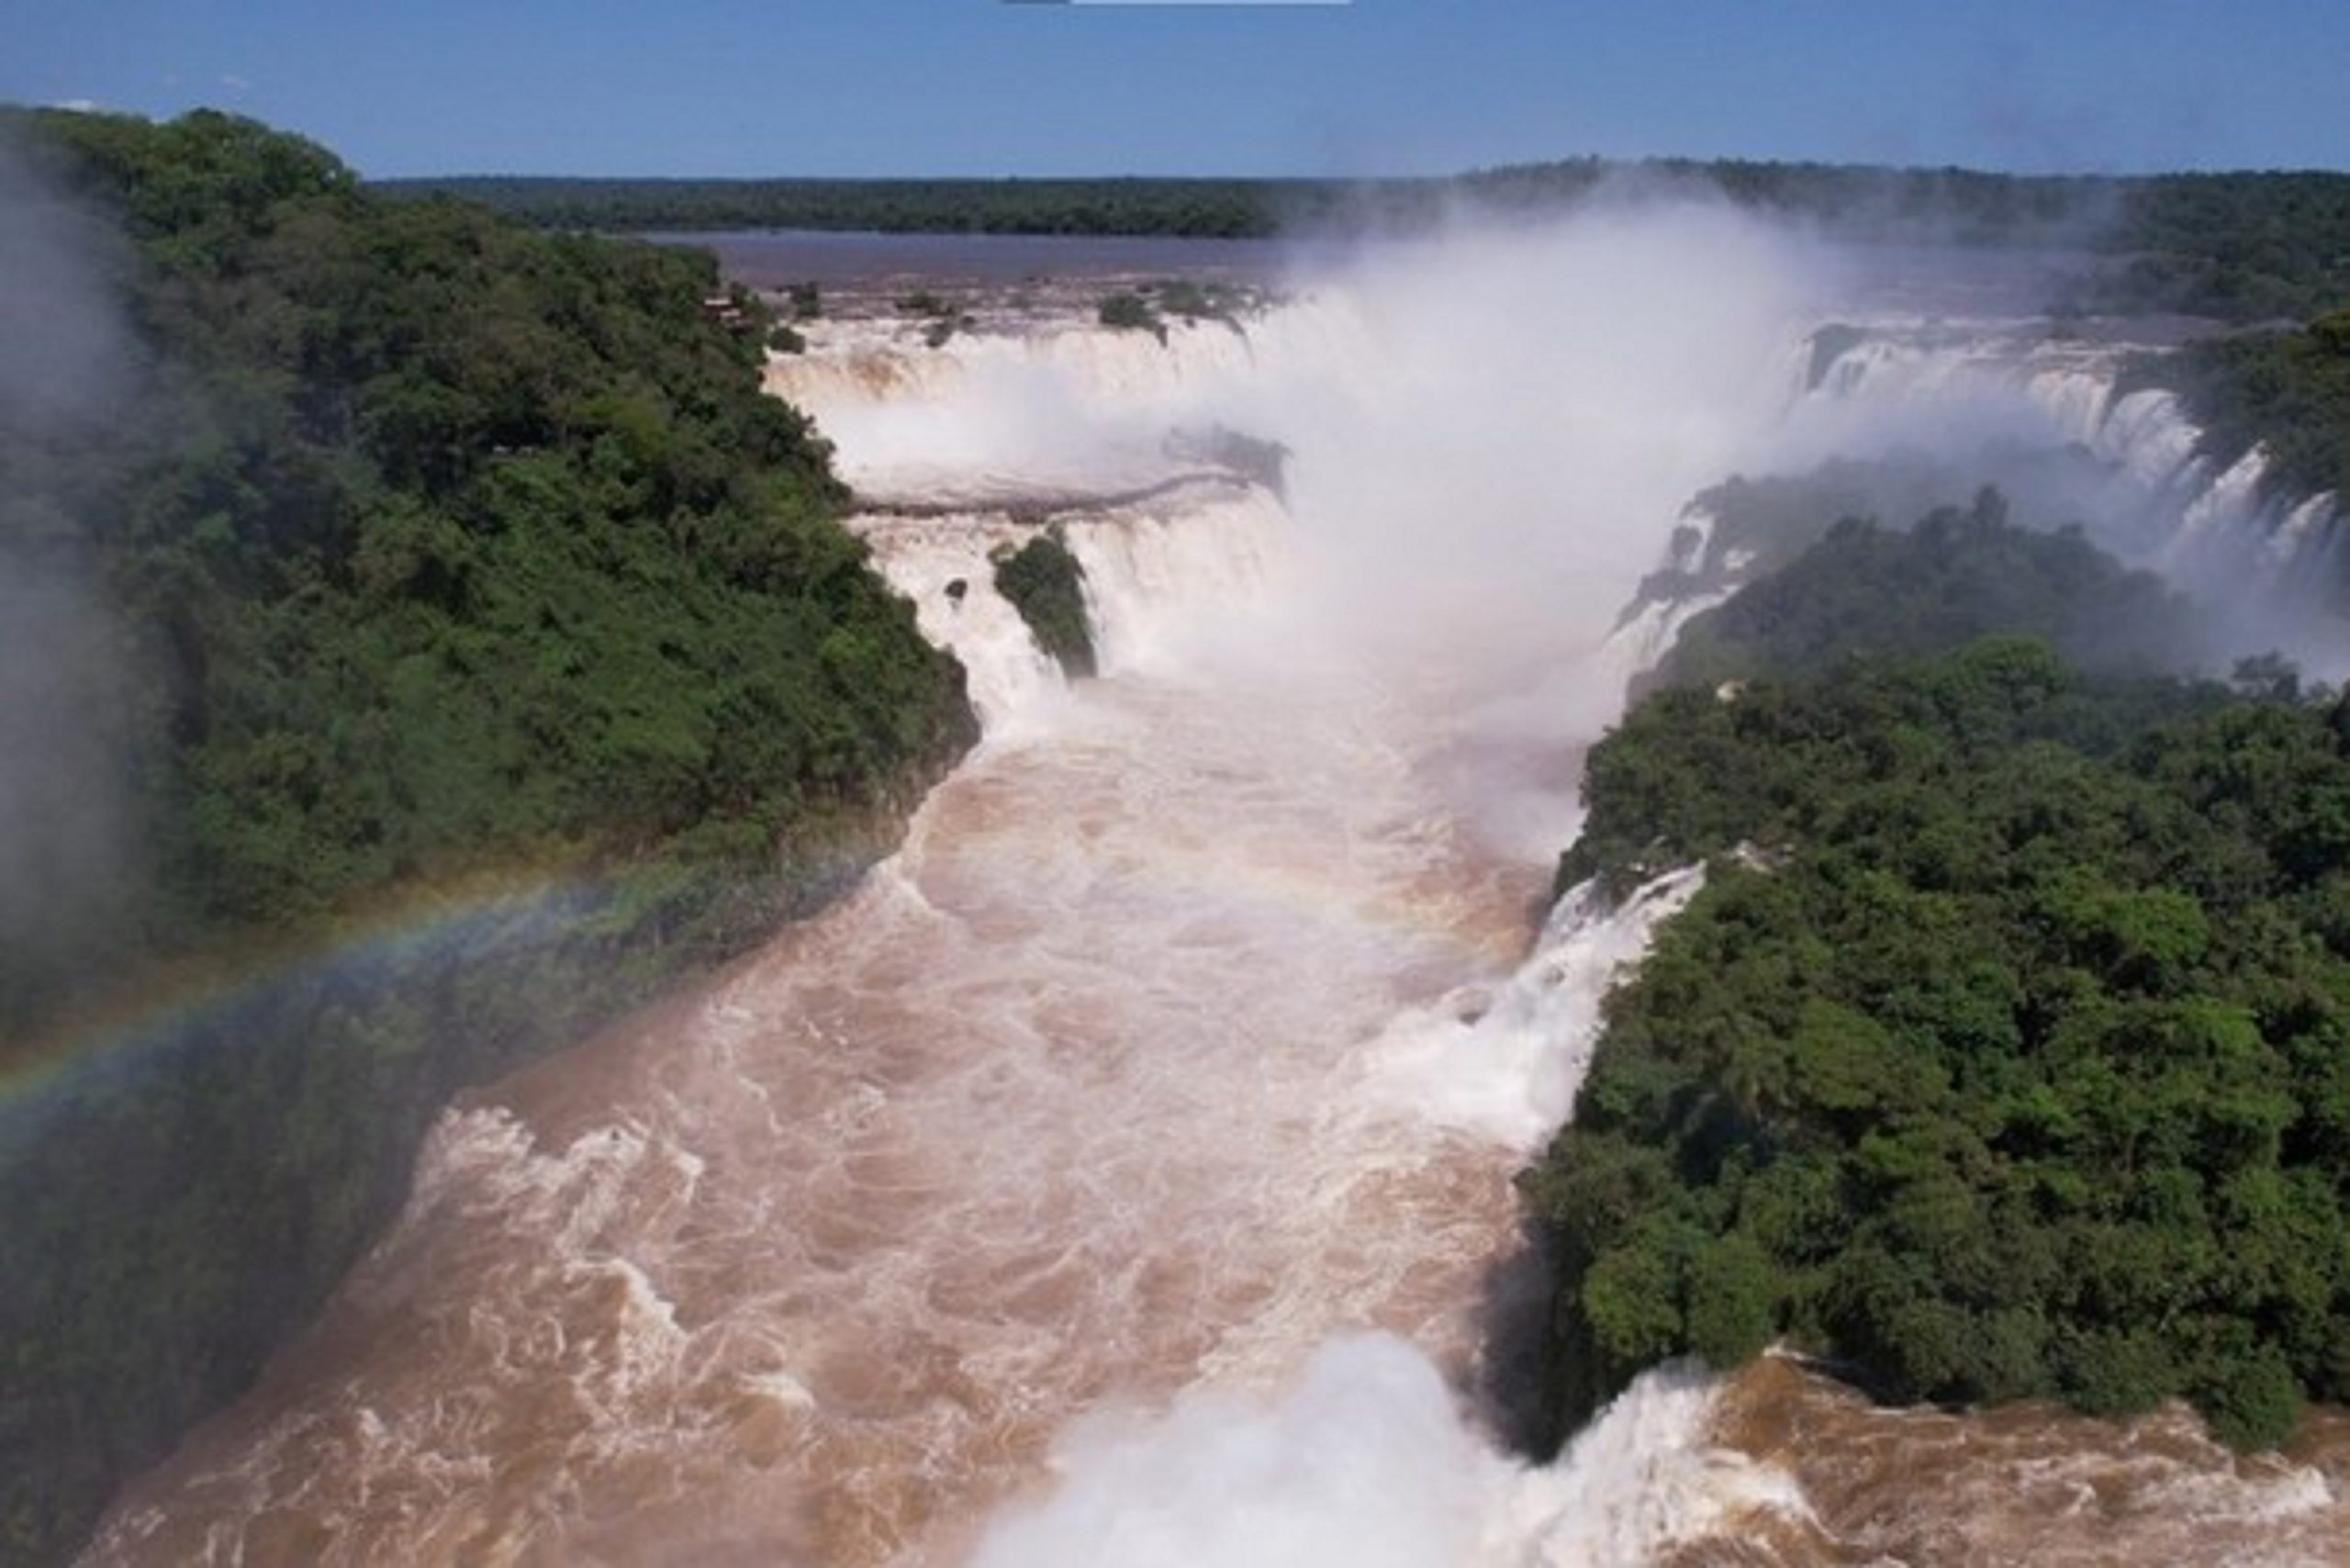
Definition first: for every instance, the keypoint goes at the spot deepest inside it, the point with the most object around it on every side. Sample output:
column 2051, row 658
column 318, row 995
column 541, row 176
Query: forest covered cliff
column 2006, row 1051
column 427, row 639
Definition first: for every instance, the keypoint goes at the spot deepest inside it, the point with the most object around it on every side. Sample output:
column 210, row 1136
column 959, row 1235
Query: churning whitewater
column 1121, row 1175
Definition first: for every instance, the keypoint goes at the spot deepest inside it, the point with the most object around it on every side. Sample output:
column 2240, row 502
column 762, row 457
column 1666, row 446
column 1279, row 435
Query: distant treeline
column 2235, row 246
column 1198, row 208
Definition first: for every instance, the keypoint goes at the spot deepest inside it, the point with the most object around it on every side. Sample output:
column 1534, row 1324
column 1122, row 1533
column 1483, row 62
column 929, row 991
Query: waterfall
column 1066, row 407
column 1364, row 1461
column 1120, row 1173
column 1505, row 1063
column 1154, row 571
column 2221, row 530
column 946, row 567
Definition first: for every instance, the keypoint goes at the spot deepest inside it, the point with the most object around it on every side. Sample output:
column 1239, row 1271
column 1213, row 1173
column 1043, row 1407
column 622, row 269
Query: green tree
column 2002, row 1052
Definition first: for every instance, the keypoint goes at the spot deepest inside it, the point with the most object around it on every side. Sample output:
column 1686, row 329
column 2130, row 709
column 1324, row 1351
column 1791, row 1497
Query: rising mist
column 69, row 857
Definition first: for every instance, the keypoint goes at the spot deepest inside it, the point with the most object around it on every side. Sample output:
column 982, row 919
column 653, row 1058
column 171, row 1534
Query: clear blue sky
column 992, row 87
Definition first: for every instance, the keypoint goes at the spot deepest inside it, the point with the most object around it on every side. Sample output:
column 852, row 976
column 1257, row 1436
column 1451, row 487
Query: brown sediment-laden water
column 1121, row 1174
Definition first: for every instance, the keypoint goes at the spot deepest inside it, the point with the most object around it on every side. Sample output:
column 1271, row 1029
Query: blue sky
column 989, row 87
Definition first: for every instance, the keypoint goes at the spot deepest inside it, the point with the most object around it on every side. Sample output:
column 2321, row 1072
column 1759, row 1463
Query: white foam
column 946, row 567
column 1641, row 1478
column 1065, row 407
column 1366, row 1460
column 1162, row 579
column 1507, row 1067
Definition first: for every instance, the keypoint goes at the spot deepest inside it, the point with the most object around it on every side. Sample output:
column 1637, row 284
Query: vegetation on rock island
column 1045, row 582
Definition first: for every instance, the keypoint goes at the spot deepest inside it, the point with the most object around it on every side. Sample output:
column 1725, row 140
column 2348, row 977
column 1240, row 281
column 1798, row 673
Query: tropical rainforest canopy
column 361, row 551
column 366, row 562
column 2007, row 1050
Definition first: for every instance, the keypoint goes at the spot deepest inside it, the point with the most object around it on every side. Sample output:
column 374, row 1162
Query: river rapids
column 1121, row 1174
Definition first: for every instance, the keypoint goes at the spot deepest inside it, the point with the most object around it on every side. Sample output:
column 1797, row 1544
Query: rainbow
column 1242, row 881
column 145, row 1013
column 398, row 932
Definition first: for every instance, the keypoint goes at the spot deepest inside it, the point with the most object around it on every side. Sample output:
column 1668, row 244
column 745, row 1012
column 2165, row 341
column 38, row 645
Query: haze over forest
column 1596, row 774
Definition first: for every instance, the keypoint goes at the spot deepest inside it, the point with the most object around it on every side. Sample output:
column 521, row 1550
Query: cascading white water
column 1149, row 567
column 1131, row 1152
column 1504, row 1064
column 1366, row 1461
column 1068, row 407
column 1101, row 1092
column 1080, row 407
column 946, row 567
column 2260, row 557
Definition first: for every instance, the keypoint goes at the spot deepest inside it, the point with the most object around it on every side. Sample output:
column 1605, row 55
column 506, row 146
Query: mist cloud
column 1364, row 1463
column 65, row 354
column 1544, row 401
column 66, row 357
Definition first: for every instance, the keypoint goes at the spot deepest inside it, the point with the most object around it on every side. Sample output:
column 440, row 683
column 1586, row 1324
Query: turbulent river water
column 1121, row 1175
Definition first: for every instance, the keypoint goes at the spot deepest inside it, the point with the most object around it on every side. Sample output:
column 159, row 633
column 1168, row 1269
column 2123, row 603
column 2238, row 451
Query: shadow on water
column 1509, row 1384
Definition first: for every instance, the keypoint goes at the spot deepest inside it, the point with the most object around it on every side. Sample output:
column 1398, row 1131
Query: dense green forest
column 2251, row 247
column 1749, row 528
column 2236, row 247
column 1951, row 576
column 401, row 557
column 2007, row 1050
column 1194, row 208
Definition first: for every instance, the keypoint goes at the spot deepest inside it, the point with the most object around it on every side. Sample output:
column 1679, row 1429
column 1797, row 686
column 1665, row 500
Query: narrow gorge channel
column 1122, row 1173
